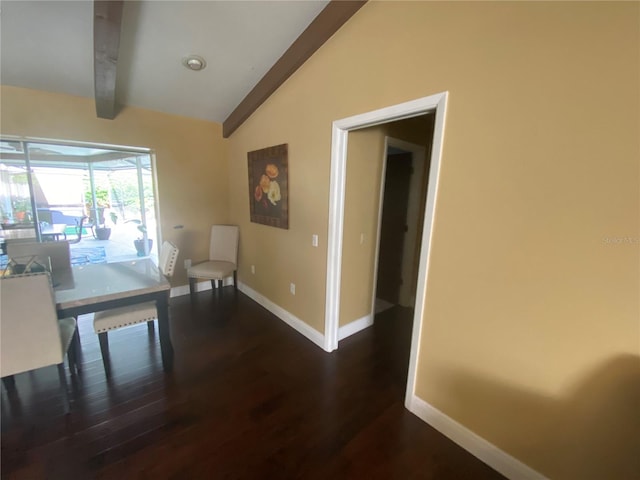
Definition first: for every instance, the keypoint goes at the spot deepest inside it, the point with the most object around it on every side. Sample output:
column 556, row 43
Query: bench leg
column 63, row 385
column 104, row 349
column 72, row 354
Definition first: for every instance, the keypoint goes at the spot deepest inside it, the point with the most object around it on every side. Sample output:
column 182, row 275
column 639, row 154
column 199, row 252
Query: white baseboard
column 355, row 326
column 497, row 459
column 180, row 290
column 200, row 287
column 288, row 318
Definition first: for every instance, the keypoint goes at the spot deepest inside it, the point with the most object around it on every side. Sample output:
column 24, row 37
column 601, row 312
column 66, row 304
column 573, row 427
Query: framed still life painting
column 269, row 186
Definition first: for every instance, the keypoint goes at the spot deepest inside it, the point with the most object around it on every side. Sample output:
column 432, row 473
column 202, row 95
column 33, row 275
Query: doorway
column 434, row 103
column 402, row 192
column 393, row 226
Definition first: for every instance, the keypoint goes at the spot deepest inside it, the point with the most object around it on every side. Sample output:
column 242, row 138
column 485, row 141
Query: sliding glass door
column 100, row 200
column 16, row 194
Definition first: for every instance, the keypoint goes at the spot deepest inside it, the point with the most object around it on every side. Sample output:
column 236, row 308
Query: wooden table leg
column 164, row 329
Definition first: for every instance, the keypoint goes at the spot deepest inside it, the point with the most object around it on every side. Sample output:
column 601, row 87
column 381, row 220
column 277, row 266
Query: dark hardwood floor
column 249, row 398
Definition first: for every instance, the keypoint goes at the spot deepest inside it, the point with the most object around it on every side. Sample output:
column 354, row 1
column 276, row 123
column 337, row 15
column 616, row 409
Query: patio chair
column 79, row 229
column 132, row 315
column 31, row 334
column 223, row 258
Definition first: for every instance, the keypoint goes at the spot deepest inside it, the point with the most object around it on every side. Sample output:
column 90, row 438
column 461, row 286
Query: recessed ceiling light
column 194, row 62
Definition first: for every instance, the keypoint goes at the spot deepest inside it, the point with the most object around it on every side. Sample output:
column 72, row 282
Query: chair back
column 29, row 331
column 224, row 243
column 56, row 252
column 79, row 229
column 168, row 258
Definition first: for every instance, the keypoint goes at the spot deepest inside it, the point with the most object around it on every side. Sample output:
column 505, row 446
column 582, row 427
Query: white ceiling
column 48, row 45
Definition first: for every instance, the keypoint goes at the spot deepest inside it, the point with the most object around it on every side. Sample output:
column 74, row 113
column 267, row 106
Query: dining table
column 95, row 287
column 22, row 231
column 53, row 232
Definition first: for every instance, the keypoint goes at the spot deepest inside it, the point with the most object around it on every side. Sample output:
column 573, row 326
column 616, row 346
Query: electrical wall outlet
column 187, row 263
column 253, row 269
column 314, row 240
column 292, row 288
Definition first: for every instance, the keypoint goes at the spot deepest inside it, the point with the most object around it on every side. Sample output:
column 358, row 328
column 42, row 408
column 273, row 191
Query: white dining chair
column 31, row 336
column 223, row 258
column 131, row 315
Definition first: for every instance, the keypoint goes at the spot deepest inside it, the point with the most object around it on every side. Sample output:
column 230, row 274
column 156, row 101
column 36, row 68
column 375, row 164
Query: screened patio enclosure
column 102, row 200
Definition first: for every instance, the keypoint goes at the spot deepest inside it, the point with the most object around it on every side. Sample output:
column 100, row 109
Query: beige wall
column 191, row 157
column 531, row 328
column 365, row 152
column 529, row 305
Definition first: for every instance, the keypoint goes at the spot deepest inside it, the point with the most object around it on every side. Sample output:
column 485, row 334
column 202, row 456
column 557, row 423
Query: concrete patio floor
column 120, row 246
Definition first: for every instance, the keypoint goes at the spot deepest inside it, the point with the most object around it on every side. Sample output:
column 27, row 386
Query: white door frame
column 340, row 132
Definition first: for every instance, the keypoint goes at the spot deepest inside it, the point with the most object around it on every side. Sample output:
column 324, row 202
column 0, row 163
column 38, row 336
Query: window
column 101, row 199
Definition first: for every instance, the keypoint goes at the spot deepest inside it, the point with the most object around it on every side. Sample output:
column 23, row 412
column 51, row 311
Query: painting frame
column 268, row 170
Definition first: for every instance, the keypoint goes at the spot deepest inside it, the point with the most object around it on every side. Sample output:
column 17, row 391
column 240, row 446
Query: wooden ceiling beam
column 328, row 21
column 107, row 20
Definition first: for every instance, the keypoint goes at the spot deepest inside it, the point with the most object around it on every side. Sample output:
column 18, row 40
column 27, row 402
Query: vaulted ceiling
column 48, row 45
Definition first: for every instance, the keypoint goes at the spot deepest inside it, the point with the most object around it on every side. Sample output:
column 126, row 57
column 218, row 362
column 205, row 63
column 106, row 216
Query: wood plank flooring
column 249, row 398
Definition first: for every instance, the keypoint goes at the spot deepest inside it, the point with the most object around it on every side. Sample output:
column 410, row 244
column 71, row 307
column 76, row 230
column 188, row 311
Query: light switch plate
column 314, row 240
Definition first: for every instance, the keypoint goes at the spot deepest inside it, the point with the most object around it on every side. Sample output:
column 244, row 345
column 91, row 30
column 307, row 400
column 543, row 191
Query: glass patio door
column 101, row 200
column 16, row 195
